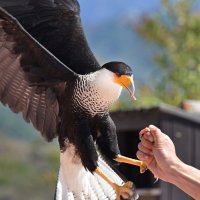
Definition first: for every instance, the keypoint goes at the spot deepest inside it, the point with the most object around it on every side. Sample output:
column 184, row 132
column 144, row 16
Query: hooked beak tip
column 131, row 93
column 131, row 90
column 133, row 97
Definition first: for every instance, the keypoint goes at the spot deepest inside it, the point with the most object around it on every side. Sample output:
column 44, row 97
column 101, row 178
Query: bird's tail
column 74, row 182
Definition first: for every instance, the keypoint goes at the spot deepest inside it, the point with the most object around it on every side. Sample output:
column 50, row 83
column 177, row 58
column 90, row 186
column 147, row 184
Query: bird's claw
column 124, row 191
column 143, row 168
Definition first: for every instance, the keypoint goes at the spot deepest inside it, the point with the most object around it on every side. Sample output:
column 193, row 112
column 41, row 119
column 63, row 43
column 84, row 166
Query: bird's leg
column 123, row 159
column 89, row 157
column 108, row 145
column 124, row 191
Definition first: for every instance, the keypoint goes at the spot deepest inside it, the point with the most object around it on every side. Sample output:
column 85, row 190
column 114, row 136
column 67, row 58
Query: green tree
column 176, row 32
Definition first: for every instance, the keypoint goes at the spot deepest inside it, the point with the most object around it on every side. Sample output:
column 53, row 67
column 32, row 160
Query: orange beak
column 126, row 82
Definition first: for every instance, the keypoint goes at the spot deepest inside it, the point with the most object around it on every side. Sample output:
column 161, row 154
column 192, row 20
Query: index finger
column 143, row 132
column 146, row 133
column 149, row 137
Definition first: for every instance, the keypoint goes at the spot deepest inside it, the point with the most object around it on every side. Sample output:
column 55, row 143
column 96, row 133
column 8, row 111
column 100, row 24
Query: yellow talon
column 123, row 159
column 124, row 191
column 128, row 184
column 143, row 167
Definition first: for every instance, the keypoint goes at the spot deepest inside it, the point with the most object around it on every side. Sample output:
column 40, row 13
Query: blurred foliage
column 176, row 32
column 28, row 170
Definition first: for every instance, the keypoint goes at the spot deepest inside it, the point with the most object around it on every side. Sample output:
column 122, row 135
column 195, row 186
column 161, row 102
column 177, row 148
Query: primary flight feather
column 49, row 74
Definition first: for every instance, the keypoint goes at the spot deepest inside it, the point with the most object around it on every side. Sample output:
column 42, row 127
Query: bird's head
column 123, row 75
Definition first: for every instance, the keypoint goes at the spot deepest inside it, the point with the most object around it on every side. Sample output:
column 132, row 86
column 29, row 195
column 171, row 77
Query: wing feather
column 30, row 77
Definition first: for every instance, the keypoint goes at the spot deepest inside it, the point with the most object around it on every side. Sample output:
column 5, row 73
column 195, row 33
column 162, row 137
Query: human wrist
column 175, row 166
column 174, row 170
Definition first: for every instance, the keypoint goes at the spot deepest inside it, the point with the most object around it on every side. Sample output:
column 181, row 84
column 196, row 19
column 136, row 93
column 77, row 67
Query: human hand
column 157, row 151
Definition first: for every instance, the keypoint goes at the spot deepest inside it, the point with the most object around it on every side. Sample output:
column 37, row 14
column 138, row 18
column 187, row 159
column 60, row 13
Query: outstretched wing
column 31, row 78
column 57, row 26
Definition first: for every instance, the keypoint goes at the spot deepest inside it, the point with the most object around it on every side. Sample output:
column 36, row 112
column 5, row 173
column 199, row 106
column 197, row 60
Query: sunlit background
column 160, row 39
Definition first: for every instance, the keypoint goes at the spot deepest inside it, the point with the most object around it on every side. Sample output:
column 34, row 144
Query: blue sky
column 93, row 11
column 109, row 37
column 101, row 17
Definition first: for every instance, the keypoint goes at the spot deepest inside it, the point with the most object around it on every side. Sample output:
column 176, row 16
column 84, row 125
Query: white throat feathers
column 97, row 91
column 106, row 86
